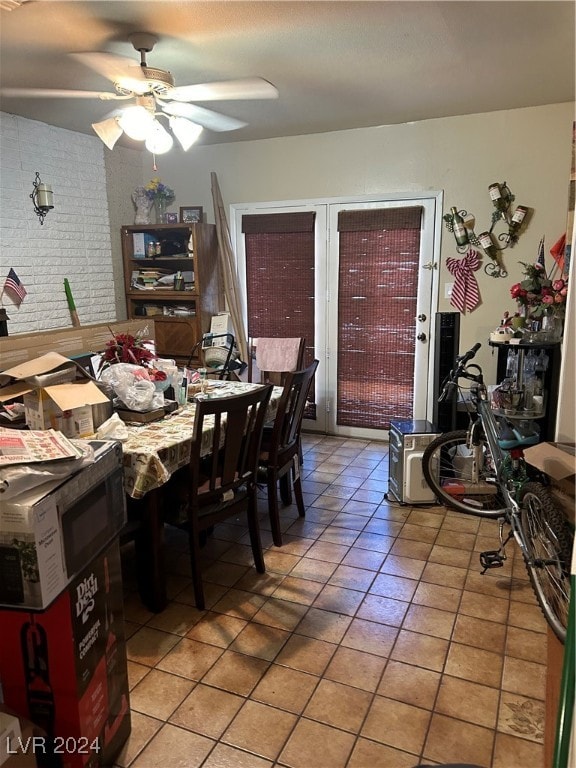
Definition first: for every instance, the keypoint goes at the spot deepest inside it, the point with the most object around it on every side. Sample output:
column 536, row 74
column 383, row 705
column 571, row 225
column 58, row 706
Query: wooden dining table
column 152, row 453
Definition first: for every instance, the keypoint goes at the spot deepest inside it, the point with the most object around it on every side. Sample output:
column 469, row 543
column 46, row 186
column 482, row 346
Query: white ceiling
column 337, row 65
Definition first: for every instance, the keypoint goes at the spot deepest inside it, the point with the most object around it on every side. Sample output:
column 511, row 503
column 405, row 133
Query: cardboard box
column 140, row 242
column 558, row 461
column 52, row 398
column 221, row 323
column 51, row 408
column 18, row 737
column 65, row 668
column 10, row 732
column 47, row 534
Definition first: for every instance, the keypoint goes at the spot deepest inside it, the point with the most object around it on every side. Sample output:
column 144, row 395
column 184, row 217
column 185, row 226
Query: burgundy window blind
column 280, row 275
column 378, row 283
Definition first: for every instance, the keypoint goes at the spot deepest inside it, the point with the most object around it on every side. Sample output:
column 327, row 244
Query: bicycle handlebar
column 450, row 384
column 468, row 355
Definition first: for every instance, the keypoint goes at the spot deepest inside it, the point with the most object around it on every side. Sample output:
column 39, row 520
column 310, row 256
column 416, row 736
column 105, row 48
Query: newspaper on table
column 18, row 446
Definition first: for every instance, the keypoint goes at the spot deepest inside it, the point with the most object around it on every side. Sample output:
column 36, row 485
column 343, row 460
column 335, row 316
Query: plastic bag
column 113, row 429
column 131, row 384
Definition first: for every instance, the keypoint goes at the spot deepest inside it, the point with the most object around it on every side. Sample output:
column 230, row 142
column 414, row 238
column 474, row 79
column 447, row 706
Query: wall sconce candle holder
column 461, row 224
column 42, row 198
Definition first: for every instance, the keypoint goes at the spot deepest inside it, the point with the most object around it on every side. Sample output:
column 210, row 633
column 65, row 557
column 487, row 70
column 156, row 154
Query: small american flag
column 14, row 288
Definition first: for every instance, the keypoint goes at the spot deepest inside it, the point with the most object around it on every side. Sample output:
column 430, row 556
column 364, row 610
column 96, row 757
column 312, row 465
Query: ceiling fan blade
column 214, row 121
column 52, row 93
column 110, row 65
column 247, row 88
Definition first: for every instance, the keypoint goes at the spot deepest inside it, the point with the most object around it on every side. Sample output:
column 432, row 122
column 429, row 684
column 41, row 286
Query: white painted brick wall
column 75, row 240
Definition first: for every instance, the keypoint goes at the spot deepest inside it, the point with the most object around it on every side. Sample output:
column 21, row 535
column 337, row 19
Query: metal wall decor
column 461, row 224
column 42, row 198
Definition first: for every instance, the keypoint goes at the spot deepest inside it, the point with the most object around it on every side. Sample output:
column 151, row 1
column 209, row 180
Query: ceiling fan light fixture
column 108, row 131
column 185, row 131
column 158, row 140
column 130, row 86
column 136, row 122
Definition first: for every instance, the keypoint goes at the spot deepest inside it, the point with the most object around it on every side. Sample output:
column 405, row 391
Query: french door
column 375, row 292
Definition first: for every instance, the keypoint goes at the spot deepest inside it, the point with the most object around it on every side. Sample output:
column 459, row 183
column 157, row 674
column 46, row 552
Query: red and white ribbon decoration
column 465, row 293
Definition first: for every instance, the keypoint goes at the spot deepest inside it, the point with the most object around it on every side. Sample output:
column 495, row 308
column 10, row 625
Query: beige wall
column 123, row 175
column 528, row 148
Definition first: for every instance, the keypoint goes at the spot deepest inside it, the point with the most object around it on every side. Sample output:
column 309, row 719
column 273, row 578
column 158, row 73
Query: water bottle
column 511, row 364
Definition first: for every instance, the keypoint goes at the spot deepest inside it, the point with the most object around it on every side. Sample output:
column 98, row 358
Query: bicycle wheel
column 450, row 467
column 549, row 541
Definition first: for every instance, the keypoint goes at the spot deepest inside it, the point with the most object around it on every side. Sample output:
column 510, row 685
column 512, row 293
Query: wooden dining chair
column 279, row 459
column 222, row 483
column 271, row 359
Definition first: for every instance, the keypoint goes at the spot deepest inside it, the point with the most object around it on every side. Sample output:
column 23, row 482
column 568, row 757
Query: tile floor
column 372, row 641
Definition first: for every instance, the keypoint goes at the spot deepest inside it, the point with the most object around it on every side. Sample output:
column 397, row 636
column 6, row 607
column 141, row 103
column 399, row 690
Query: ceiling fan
column 154, row 95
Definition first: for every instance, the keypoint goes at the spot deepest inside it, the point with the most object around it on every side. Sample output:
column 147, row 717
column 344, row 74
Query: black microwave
column 92, row 521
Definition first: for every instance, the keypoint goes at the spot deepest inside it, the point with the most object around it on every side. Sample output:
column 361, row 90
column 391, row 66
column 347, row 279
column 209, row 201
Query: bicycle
column 482, row 471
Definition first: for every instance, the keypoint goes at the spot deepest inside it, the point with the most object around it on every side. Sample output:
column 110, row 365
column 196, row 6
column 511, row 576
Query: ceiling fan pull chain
column 154, row 168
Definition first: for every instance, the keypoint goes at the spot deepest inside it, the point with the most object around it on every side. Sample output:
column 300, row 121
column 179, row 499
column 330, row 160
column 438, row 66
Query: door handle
column 421, row 318
column 421, row 337
column 430, row 265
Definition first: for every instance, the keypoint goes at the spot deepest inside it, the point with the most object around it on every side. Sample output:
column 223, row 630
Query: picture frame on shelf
column 171, row 218
column 191, row 214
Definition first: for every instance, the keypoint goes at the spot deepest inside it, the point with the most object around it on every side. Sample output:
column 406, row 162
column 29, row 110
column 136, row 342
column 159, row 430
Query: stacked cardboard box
column 558, row 461
column 57, row 394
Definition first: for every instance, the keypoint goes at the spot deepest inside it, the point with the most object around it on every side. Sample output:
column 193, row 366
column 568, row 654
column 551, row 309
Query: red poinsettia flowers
column 125, row 348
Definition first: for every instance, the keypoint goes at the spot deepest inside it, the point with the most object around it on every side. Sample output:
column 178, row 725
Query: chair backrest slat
column 288, row 421
column 238, row 425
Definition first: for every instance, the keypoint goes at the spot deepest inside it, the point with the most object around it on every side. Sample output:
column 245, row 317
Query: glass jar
column 552, row 327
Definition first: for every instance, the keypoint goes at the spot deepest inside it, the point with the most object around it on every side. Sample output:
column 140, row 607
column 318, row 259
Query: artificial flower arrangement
column 126, row 348
column 537, row 295
column 156, row 190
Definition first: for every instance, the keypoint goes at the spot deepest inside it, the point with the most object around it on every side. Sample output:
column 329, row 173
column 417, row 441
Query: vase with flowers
column 541, row 299
column 162, row 196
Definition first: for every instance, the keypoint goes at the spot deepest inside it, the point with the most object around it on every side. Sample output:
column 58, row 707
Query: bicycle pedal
column 491, row 559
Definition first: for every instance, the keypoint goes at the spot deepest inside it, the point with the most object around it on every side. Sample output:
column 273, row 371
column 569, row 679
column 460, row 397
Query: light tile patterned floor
column 371, row 642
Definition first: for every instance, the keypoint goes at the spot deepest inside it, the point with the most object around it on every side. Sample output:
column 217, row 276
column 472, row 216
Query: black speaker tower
column 445, row 351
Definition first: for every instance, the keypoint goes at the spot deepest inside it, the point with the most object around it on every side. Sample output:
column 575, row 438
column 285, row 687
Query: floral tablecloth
column 154, row 451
